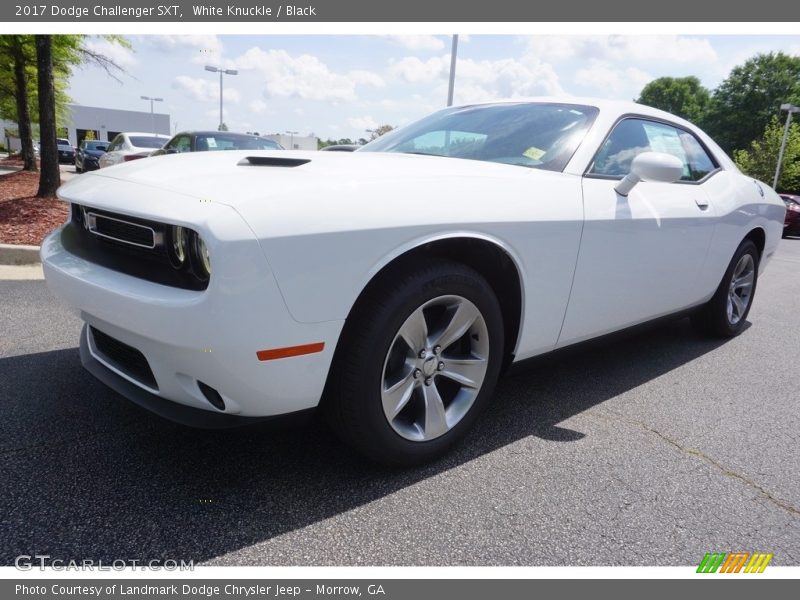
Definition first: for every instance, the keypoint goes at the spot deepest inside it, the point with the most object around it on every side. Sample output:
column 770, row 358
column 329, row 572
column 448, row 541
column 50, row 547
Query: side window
column 179, row 144
column 633, row 136
column 699, row 162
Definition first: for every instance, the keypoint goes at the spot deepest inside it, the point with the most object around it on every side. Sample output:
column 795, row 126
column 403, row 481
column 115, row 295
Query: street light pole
column 291, row 143
column 790, row 110
column 221, row 72
column 152, row 116
column 451, row 86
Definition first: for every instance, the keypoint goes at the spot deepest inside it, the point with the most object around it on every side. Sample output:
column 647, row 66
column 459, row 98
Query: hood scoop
column 272, row 161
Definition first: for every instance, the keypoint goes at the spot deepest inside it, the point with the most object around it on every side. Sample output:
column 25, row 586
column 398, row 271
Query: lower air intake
column 123, row 357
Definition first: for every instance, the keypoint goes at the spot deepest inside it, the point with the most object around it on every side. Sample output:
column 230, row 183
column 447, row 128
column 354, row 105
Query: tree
column 50, row 177
column 17, row 50
column 19, row 90
column 222, row 127
column 379, row 131
column 743, row 104
column 682, row 96
column 760, row 159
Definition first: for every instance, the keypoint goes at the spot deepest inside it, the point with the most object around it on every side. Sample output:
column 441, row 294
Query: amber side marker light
column 276, row 353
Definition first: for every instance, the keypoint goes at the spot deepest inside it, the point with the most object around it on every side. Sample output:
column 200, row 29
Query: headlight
column 793, row 206
column 178, row 253
column 202, row 258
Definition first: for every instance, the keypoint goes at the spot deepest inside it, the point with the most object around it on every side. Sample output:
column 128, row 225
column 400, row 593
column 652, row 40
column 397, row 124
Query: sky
column 339, row 86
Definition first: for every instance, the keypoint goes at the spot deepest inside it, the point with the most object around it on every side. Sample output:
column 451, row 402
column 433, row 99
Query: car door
column 640, row 255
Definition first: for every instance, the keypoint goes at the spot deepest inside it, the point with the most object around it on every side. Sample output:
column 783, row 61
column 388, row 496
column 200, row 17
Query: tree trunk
column 50, row 177
column 23, row 111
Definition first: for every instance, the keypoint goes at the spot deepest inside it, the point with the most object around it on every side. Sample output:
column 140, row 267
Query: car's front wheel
column 417, row 364
column 726, row 313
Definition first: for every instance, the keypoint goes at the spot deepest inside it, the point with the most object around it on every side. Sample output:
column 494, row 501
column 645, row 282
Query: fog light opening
column 212, row 395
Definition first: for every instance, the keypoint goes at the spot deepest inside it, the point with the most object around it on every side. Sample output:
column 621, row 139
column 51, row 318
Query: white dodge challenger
column 393, row 285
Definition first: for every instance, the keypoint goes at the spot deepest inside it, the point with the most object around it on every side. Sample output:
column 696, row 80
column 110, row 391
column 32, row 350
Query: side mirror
column 651, row 166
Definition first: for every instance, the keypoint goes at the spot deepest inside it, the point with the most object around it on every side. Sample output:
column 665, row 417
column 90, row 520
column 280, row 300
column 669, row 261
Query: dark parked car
column 791, row 224
column 205, row 141
column 341, row 148
column 89, row 152
column 66, row 153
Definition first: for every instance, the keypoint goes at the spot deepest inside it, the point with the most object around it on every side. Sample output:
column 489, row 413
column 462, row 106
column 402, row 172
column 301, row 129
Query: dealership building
column 105, row 123
column 98, row 123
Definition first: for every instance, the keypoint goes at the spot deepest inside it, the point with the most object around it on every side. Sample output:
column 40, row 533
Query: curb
column 15, row 254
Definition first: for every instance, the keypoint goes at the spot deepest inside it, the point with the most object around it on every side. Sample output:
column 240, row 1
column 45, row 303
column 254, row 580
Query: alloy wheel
column 435, row 368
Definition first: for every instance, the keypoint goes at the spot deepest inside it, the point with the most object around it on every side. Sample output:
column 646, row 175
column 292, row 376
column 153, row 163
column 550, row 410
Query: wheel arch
column 489, row 256
column 759, row 237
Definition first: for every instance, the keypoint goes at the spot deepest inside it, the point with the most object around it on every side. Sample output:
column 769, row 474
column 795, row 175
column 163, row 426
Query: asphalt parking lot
column 652, row 450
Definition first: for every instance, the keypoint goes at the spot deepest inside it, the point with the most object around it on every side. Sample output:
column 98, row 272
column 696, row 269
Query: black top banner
column 406, row 11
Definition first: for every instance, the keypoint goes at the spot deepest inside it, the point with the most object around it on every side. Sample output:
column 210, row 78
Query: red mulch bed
column 24, row 218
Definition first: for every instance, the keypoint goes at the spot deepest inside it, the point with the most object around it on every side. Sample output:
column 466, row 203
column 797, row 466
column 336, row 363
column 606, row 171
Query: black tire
column 353, row 399
column 712, row 319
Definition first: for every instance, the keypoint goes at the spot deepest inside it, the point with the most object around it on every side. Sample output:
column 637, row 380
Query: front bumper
column 172, row 411
column 89, row 163
column 210, row 336
column 791, row 225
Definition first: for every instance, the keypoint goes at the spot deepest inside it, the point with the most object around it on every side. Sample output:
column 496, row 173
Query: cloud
column 639, row 49
column 361, row 77
column 414, row 70
column 205, row 90
column 206, row 48
column 363, row 123
column 612, row 81
column 304, row 76
column 257, row 106
column 417, row 42
column 119, row 54
column 485, row 79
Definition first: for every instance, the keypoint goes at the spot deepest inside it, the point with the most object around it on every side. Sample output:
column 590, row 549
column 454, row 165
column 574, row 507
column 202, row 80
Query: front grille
column 131, row 245
column 126, row 232
column 123, row 357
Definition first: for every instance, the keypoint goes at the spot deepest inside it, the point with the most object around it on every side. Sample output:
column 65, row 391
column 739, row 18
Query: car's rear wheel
column 726, row 313
column 417, row 364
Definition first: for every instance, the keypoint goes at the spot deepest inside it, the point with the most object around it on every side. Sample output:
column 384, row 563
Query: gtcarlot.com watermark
column 26, row 562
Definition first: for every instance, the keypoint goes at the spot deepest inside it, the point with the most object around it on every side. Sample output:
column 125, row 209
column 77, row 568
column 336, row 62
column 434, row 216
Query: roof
column 146, row 133
column 619, row 107
column 211, row 132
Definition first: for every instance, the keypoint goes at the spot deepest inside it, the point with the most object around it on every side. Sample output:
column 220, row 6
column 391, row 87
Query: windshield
column 537, row 135
column 63, row 142
column 96, row 146
column 142, row 141
column 222, row 141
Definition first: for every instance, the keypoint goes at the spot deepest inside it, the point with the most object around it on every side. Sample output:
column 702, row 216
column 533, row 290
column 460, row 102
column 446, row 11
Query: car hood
column 93, row 153
column 235, row 178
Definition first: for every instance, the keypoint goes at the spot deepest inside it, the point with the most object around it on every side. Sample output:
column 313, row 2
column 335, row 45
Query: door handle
column 701, row 204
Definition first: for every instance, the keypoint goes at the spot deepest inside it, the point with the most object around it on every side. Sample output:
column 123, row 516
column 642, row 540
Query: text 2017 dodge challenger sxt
column 393, row 284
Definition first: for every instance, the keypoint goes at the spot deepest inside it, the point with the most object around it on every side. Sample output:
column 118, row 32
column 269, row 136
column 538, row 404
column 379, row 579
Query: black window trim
column 640, row 117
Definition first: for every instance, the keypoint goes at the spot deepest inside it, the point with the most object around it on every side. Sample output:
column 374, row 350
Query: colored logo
column 734, row 562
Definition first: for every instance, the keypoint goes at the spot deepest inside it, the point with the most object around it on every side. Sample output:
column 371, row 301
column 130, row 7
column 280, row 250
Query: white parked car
column 130, row 146
column 393, row 285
